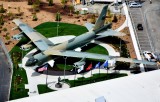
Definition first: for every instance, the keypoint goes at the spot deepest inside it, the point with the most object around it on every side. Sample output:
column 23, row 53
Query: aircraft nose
column 31, row 62
column 28, row 63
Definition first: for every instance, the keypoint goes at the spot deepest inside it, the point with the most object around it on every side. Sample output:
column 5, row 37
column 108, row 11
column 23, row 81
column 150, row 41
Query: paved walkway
column 35, row 78
column 5, row 74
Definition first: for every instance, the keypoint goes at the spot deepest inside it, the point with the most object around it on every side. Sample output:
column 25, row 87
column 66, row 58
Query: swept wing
column 38, row 39
column 70, row 53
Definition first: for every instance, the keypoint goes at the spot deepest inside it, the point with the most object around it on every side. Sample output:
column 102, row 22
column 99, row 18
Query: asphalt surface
column 5, row 77
column 149, row 38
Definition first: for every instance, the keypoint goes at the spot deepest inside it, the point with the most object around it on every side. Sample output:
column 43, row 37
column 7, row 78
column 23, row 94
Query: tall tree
column 2, row 10
column 71, row 8
column 30, row 2
column 1, row 19
column 63, row 3
column 35, row 17
column 93, row 19
column 50, row 3
column 58, row 16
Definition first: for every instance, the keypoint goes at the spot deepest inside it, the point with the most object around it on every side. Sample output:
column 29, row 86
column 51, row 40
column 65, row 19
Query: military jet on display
column 47, row 49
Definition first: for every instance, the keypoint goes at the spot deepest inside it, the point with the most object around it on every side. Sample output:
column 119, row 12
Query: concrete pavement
column 5, row 76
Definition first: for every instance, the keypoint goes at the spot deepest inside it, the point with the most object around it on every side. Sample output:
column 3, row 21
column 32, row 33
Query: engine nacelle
column 26, row 47
column 111, row 63
column 17, row 36
column 79, row 63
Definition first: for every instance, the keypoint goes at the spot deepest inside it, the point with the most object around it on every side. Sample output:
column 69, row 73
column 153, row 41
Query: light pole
column 58, row 14
column 65, row 58
column 57, row 27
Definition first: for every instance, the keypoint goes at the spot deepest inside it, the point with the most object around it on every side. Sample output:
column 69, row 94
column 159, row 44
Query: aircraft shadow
column 57, row 73
column 35, row 74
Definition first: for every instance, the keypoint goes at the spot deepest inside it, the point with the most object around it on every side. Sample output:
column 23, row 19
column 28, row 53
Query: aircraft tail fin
column 101, row 19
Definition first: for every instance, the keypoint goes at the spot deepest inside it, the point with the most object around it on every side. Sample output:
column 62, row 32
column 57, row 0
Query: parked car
column 139, row 26
column 134, row 4
column 150, row 56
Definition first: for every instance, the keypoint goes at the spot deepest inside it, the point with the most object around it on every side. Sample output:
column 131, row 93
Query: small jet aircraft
column 47, row 49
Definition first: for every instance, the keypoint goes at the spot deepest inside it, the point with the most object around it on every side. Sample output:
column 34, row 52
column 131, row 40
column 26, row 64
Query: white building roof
column 144, row 87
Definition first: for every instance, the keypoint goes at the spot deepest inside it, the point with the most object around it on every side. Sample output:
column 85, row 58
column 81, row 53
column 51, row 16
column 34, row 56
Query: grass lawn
column 19, row 79
column 44, row 89
column 49, row 29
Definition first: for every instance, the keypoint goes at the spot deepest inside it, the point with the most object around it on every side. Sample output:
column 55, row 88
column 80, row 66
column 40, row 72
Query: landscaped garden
column 48, row 29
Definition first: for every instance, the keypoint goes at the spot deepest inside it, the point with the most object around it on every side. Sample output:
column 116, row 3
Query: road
column 149, row 38
column 5, row 77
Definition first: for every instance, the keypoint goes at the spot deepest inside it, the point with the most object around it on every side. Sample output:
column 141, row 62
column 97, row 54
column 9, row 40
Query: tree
column 50, row 3
column 63, row 3
column 93, row 19
column 19, row 9
column 30, row 2
column 35, row 8
column 2, row 10
column 71, row 8
column 10, row 15
column 34, row 17
column 108, row 13
column 37, row 2
column 1, row 20
column 58, row 16
column 77, row 14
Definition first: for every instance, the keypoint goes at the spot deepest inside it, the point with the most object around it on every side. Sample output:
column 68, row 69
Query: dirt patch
column 127, row 39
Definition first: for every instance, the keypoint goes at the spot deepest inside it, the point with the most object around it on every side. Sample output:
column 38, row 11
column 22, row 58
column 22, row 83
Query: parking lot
column 147, row 41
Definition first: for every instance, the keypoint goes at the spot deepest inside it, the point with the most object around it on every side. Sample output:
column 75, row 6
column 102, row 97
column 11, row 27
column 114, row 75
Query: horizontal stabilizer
column 110, row 32
column 89, row 26
column 18, row 36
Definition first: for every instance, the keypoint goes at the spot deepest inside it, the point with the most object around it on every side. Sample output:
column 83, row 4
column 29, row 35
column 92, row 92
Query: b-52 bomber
column 47, row 50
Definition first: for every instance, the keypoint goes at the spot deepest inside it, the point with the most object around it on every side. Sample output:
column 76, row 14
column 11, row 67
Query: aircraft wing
column 70, row 53
column 38, row 39
column 122, row 59
column 109, row 32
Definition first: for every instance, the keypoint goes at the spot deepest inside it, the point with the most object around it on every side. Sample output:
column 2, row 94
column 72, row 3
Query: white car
column 134, row 4
column 150, row 56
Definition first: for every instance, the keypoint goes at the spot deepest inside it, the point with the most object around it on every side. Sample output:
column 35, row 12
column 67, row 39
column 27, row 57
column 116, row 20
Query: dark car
column 139, row 27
